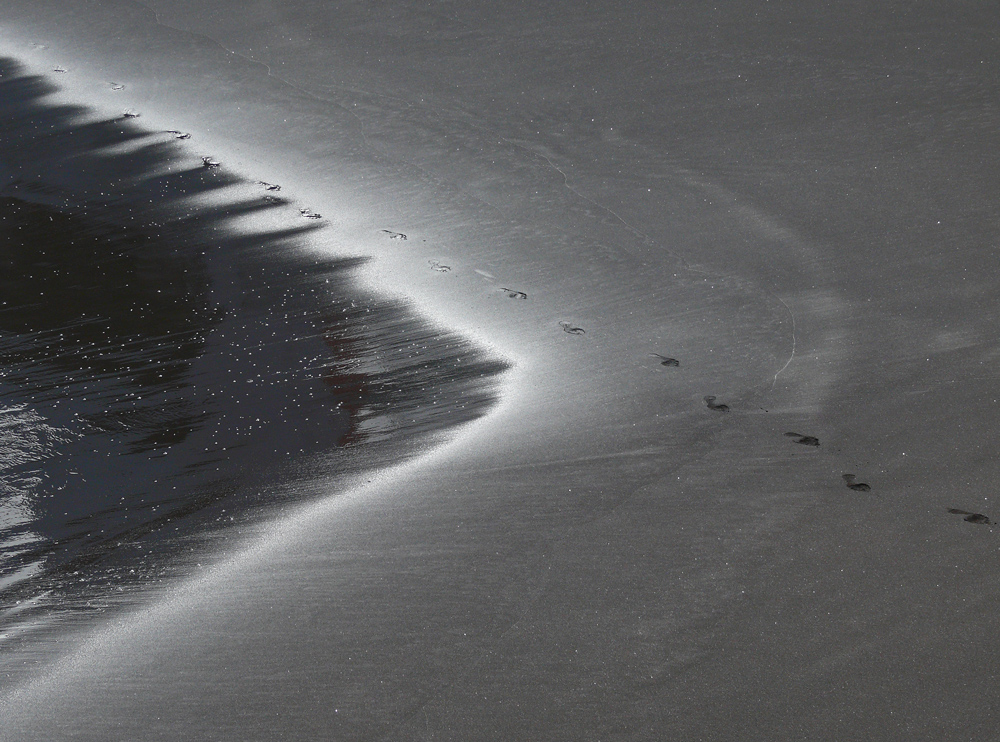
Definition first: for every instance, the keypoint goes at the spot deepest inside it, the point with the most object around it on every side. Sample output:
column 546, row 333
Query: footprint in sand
column 511, row 294
column 805, row 440
column 977, row 518
column 394, row 235
column 210, row 163
column 571, row 329
column 856, row 486
column 436, row 266
column 710, row 401
column 116, row 86
column 666, row 360
column 269, row 186
column 128, row 113
column 179, row 134
column 310, row 214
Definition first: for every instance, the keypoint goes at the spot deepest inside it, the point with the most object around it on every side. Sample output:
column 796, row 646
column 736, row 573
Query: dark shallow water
column 166, row 377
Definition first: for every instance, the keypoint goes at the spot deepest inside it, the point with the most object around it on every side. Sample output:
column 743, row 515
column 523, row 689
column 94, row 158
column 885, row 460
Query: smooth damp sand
column 604, row 556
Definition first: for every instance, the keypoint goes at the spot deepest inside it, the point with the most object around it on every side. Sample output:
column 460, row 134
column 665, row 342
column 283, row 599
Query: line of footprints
column 809, row 440
column 850, row 480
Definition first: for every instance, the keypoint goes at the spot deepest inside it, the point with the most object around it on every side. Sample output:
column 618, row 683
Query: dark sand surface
column 796, row 201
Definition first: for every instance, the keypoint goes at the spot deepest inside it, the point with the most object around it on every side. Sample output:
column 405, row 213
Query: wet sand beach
column 731, row 276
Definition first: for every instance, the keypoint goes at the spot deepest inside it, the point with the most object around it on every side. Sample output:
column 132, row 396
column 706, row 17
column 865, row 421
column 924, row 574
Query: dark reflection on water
column 165, row 377
column 85, row 303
